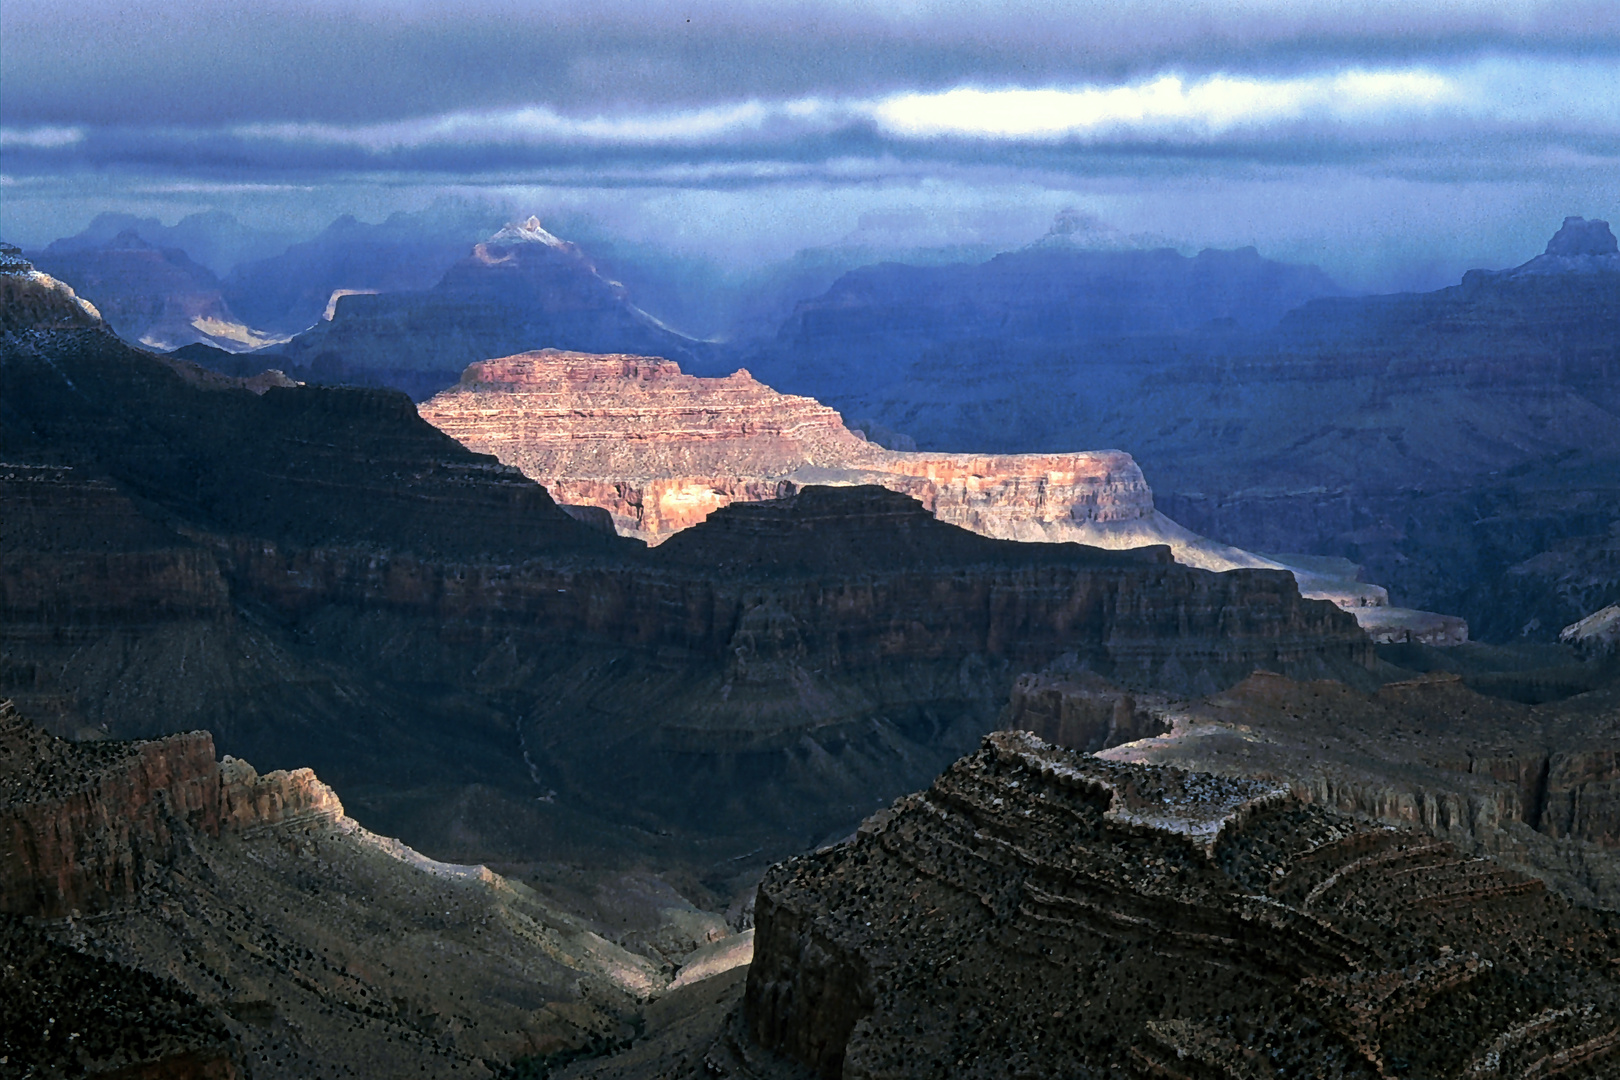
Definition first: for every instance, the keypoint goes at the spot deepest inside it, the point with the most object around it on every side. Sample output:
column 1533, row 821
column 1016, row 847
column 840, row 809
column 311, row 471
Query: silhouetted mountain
column 155, row 296
column 521, row 289
column 875, row 322
column 213, row 238
column 1463, row 445
column 410, row 251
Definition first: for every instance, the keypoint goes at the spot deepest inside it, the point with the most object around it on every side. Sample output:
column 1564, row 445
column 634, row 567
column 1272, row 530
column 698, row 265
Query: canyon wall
column 1536, row 786
column 660, row 449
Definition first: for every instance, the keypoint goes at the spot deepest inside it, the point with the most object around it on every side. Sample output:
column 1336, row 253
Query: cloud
column 1501, row 97
column 40, row 138
column 1168, row 105
column 221, row 62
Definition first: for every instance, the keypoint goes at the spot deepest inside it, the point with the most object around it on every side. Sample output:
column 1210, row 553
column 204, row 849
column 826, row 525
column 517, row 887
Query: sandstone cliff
column 1038, row 912
column 82, row 826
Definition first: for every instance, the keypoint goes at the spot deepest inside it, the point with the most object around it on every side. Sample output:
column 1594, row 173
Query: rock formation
column 1463, row 444
column 1597, row 635
column 1040, row 913
column 660, row 450
column 1535, row 786
column 520, row 289
column 30, row 300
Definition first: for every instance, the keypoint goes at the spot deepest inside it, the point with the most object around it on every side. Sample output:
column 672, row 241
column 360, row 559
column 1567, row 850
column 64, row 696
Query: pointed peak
column 526, row 232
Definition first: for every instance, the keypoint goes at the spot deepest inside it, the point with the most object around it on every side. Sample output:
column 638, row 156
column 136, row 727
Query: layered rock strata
column 1536, row 786
column 1037, row 912
column 660, row 450
column 84, row 825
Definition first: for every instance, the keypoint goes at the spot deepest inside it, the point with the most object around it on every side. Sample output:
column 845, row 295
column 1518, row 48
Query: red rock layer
column 660, row 450
column 82, row 825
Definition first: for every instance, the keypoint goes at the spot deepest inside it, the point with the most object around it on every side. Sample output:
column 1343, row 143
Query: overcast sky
column 1392, row 141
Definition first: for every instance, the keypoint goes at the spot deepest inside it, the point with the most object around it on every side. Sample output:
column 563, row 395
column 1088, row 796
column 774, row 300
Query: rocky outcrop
column 1039, row 912
column 229, row 915
column 1079, row 711
column 1597, row 636
column 30, row 300
column 1537, row 786
column 84, row 827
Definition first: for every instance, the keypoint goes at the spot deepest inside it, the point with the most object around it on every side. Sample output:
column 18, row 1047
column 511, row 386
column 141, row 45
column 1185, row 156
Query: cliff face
column 215, row 915
column 660, row 450
column 84, row 826
column 1040, row 911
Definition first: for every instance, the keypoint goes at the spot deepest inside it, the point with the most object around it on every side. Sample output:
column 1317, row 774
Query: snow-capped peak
column 526, row 232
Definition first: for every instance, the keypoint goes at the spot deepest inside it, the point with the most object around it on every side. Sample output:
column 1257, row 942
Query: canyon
column 1036, row 911
column 703, row 735
column 320, row 578
column 660, row 450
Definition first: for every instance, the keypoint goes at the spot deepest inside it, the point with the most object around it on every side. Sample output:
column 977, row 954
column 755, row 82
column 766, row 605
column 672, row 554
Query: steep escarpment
column 660, row 450
column 1042, row 911
column 85, row 825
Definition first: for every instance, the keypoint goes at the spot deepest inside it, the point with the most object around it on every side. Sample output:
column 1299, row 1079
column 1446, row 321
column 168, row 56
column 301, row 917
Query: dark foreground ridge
column 1040, row 913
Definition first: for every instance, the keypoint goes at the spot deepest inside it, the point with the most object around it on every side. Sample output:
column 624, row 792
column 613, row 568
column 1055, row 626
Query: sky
column 1394, row 142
